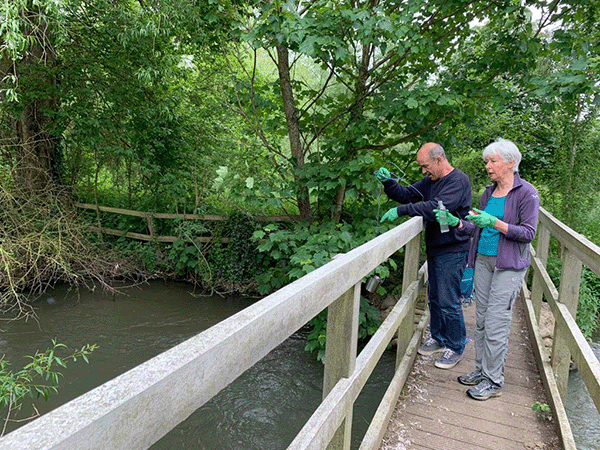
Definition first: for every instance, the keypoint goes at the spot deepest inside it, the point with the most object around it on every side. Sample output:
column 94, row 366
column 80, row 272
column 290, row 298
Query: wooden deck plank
column 435, row 413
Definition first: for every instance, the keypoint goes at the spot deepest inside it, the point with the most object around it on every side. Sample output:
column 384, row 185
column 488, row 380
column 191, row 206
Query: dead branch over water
column 43, row 242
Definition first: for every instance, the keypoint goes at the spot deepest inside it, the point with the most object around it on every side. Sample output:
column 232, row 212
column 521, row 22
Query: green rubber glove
column 391, row 215
column 383, row 174
column 452, row 221
column 482, row 219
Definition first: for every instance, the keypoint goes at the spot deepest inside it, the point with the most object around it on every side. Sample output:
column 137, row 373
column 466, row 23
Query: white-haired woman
column 502, row 228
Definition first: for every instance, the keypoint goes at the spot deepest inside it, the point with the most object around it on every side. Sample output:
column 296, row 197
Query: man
column 446, row 251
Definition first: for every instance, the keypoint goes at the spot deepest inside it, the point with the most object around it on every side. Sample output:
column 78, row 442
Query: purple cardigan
column 521, row 213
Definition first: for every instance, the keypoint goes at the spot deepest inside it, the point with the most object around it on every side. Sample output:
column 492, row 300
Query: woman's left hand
column 482, row 219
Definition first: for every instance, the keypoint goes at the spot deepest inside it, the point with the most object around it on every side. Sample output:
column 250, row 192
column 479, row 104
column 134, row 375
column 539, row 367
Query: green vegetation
column 588, row 307
column 38, row 378
column 543, row 410
column 249, row 107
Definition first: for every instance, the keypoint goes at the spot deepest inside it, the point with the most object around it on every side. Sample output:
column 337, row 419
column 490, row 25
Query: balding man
column 446, row 251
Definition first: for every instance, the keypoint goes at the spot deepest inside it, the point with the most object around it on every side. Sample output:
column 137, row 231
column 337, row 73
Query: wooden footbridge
column 136, row 409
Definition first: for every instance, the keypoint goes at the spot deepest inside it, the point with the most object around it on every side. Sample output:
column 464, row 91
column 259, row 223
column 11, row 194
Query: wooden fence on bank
column 149, row 217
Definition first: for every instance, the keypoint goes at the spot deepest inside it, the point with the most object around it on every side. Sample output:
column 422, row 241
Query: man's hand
column 383, row 174
column 391, row 215
column 482, row 219
column 451, row 220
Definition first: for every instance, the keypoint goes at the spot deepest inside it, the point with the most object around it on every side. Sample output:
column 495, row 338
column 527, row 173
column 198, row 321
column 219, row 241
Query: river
column 583, row 417
column 263, row 409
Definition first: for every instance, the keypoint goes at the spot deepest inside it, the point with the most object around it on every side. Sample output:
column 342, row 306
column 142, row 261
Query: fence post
column 340, row 354
column 412, row 252
column 570, row 279
column 541, row 252
column 149, row 223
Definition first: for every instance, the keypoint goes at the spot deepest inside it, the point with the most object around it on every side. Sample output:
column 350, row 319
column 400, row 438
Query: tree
column 552, row 115
column 568, row 90
column 87, row 93
column 382, row 75
column 81, row 77
column 27, row 62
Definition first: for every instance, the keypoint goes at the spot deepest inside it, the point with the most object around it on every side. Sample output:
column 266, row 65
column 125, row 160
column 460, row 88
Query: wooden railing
column 149, row 217
column 123, row 413
column 137, row 408
column 568, row 343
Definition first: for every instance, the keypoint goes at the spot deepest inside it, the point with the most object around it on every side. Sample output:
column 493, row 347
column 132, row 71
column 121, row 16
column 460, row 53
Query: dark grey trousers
column 495, row 293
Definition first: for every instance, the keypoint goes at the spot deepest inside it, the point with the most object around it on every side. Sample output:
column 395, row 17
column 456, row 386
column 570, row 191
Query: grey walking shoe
column 471, row 379
column 429, row 347
column 448, row 360
column 484, row 390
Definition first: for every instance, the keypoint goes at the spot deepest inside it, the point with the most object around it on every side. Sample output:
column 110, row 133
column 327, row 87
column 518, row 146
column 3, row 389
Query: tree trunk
column 34, row 150
column 357, row 111
column 34, row 145
column 293, row 126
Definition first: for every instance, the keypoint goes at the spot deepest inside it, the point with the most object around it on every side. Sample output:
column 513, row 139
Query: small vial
column 443, row 219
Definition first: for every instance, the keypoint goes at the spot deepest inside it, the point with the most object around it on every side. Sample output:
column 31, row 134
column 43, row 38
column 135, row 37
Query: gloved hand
column 482, row 219
column 452, row 220
column 391, row 215
column 383, row 174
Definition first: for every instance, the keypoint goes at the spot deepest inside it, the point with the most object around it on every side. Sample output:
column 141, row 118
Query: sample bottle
column 443, row 219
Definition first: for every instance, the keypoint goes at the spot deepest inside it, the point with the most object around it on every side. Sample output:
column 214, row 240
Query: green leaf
column 411, row 103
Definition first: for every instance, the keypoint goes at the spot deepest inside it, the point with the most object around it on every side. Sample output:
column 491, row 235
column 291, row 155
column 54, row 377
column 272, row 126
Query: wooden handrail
column 584, row 249
column 208, row 362
column 568, row 343
column 117, row 416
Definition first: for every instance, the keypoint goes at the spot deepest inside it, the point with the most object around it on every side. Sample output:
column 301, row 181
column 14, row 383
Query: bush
column 233, row 266
column 42, row 242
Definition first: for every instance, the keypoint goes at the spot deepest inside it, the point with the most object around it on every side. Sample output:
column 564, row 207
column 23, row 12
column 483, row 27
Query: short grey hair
column 436, row 151
column 506, row 150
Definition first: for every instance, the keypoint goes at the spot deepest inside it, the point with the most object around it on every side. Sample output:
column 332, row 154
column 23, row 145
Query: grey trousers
column 495, row 294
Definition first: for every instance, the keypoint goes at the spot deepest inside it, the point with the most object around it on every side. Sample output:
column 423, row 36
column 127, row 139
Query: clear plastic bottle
column 443, row 219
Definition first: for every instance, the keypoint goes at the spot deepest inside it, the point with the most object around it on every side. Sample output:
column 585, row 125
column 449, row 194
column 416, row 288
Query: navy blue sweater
column 421, row 198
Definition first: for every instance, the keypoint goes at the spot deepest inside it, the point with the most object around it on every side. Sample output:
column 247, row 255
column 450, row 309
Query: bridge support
column 541, row 252
column 340, row 354
column 412, row 252
column 570, row 279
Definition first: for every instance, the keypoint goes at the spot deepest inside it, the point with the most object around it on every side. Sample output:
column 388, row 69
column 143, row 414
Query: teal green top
column 490, row 237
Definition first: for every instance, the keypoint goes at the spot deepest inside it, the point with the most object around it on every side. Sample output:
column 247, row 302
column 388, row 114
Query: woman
column 502, row 229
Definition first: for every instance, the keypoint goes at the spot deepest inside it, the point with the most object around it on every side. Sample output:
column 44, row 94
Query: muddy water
column 264, row 409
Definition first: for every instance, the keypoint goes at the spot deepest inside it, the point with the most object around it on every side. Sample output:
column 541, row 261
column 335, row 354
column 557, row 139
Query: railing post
column 340, row 354
column 412, row 252
column 541, row 252
column 570, row 279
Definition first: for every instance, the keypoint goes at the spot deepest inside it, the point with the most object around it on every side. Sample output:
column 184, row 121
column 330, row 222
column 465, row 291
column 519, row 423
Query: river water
column 262, row 410
column 583, row 417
